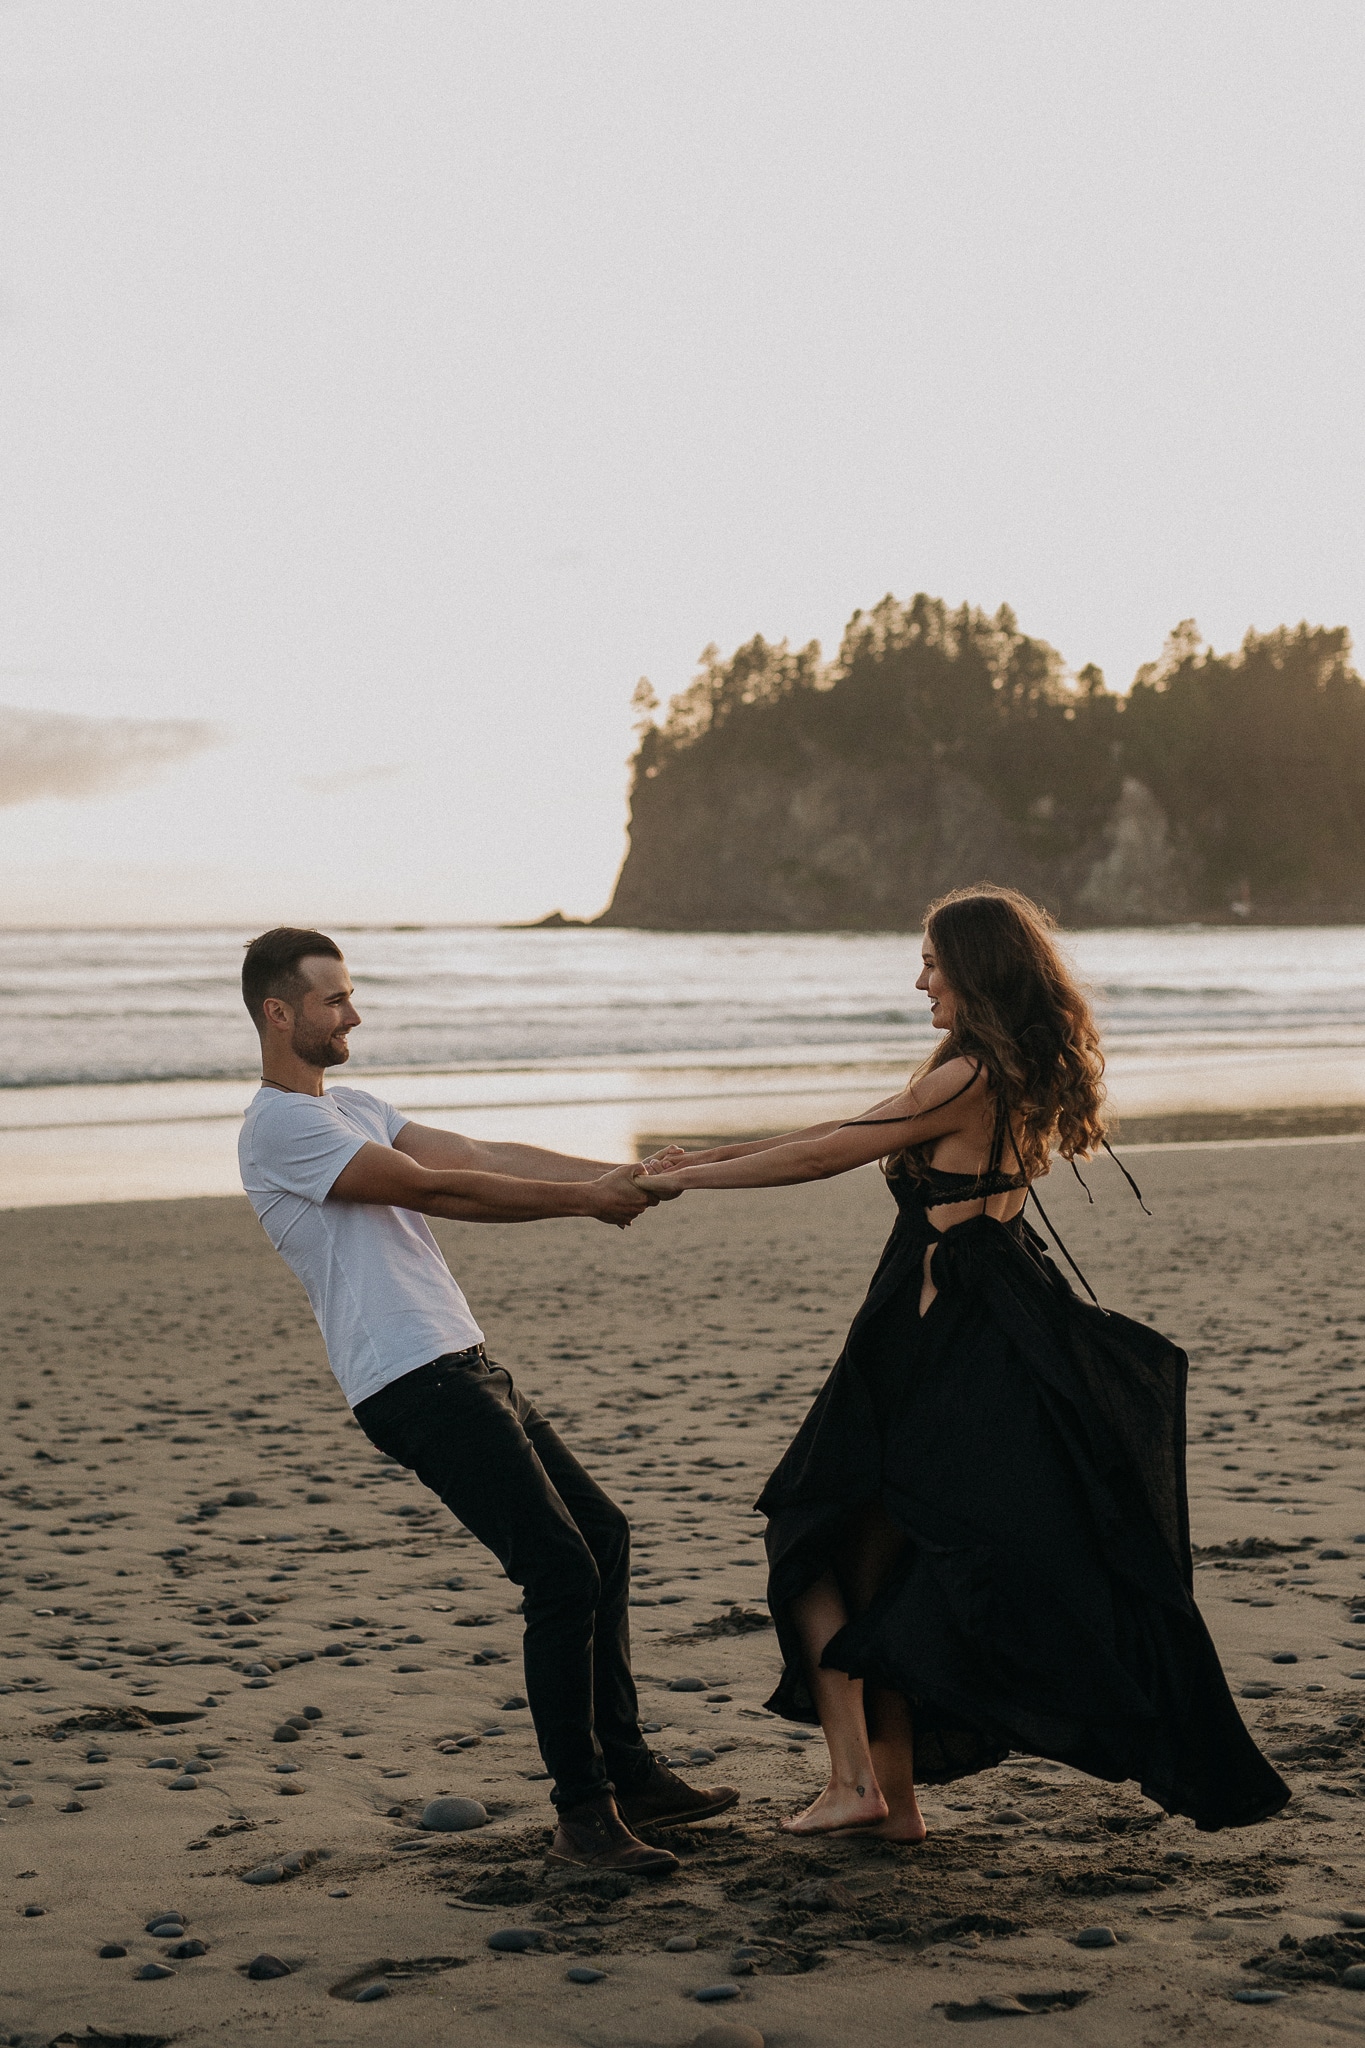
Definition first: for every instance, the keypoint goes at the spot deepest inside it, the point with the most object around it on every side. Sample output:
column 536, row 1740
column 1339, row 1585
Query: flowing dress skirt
column 1031, row 1447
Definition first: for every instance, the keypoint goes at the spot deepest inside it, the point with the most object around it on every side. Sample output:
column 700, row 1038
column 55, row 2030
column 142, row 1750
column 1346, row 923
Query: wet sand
column 158, row 1360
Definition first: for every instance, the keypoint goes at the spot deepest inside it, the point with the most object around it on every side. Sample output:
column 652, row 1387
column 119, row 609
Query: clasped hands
column 633, row 1189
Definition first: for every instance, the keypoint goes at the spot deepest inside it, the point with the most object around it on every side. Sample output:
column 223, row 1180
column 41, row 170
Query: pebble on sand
column 581, row 1974
column 166, row 1926
column 151, row 1970
column 184, row 1950
column 284, row 1733
column 264, row 1873
column 112, row 1950
column 726, row 2036
column 369, row 1992
column 186, row 1782
column 686, row 1685
column 20, row 1799
column 716, row 1994
column 1095, row 1937
column 680, row 1945
column 1258, row 1997
column 453, row 1816
column 263, row 1967
column 1354, row 1977
column 515, row 1941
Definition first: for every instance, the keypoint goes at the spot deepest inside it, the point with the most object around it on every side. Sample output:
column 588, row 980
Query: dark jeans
column 463, row 1428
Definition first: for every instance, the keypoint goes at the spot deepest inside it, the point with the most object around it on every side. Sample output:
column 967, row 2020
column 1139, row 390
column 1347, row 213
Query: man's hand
column 618, row 1197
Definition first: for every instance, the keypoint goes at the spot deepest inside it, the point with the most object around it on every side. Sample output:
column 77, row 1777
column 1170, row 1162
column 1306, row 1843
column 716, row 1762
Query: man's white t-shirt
column 385, row 1299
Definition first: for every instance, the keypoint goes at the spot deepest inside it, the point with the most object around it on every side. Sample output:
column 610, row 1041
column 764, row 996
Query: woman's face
column 942, row 1002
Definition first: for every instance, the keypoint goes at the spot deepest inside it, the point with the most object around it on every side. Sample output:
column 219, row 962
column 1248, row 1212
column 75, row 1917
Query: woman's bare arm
column 944, row 1101
column 751, row 1145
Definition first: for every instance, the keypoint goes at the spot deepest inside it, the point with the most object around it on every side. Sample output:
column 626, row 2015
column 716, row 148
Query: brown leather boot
column 664, row 1798
column 593, row 1836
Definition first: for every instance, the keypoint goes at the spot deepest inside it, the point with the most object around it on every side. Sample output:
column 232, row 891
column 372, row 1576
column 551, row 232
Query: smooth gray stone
column 241, row 1497
column 1352, row 1919
column 265, row 1873
column 453, row 1816
column 169, row 1927
column 164, row 1763
column 261, row 1968
column 680, row 1944
column 197, row 1765
column 515, row 1941
column 183, row 1950
column 1095, row 1937
column 20, row 1799
column 150, row 1970
column 111, row 1950
column 702, row 1756
column 581, row 1974
column 686, row 1685
column 370, row 1992
column 716, row 1994
column 1258, row 1997
column 1354, row 1978
column 284, row 1733
column 185, row 1783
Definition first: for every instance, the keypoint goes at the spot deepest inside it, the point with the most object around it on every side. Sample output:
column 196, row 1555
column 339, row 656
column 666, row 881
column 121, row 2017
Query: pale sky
column 387, row 386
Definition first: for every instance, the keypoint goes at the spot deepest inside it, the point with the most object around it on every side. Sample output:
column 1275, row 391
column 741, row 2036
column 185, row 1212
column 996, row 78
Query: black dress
column 1032, row 1448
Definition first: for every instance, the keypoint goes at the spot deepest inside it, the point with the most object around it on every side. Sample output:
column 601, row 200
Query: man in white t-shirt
column 343, row 1183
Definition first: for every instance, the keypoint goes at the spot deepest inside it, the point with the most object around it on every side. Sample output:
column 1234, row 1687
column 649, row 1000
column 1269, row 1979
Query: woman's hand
column 660, row 1185
column 664, row 1158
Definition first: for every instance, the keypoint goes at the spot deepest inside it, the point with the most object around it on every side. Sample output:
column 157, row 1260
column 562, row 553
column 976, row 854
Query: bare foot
column 847, row 1807
column 908, row 1828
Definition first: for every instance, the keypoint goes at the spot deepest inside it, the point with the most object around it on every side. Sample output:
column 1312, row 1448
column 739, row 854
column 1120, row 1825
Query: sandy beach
column 199, row 1545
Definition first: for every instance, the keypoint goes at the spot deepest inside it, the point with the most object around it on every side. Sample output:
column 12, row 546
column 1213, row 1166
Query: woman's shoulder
column 959, row 1079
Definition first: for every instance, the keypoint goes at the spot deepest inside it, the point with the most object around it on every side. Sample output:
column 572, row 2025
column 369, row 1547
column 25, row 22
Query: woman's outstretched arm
column 941, row 1102
column 743, row 1149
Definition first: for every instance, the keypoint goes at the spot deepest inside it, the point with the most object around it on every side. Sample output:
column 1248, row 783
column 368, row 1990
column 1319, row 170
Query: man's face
column 324, row 1015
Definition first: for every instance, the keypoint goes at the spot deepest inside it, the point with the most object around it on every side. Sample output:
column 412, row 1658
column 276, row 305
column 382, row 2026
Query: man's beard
column 319, row 1048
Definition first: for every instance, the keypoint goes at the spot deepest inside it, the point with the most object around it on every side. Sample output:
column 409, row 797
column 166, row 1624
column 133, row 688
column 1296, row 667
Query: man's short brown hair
column 271, row 966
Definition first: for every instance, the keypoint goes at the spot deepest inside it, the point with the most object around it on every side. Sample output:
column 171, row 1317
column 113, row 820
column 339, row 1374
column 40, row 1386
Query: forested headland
column 943, row 747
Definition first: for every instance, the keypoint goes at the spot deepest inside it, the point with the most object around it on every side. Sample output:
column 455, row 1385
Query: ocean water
column 125, row 1056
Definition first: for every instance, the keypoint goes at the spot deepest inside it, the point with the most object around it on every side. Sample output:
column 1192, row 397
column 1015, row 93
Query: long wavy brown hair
column 1022, row 1016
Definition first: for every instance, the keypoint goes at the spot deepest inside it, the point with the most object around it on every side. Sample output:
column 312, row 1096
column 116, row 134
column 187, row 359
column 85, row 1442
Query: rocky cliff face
column 831, row 849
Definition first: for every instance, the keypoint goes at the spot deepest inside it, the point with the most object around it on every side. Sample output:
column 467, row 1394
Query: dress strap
column 1057, row 1239
column 1052, row 1229
column 854, row 1123
column 1127, row 1176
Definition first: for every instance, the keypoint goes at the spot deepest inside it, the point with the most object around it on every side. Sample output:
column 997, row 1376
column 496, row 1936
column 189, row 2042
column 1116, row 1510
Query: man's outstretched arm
column 447, row 1151
column 382, row 1174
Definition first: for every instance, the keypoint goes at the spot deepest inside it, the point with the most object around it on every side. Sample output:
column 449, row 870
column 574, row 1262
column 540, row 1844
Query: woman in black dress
column 978, row 1541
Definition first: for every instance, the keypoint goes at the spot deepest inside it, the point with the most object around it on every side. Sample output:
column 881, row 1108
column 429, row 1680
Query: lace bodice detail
column 931, row 1188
